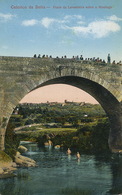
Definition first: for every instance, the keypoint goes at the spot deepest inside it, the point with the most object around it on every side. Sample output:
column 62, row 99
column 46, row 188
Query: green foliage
column 4, row 157
column 38, row 118
column 29, row 122
column 44, row 113
column 91, row 136
column 84, row 129
column 88, row 139
column 87, row 120
column 99, row 137
column 11, row 141
column 64, row 139
column 16, row 120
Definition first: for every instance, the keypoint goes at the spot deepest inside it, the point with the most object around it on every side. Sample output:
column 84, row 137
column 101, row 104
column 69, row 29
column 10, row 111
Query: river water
column 60, row 174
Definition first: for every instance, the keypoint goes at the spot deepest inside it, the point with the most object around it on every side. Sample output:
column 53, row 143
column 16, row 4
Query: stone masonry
column 20, row 75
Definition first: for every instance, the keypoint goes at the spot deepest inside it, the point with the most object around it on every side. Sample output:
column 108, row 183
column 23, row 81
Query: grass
column 4, row 157
column 46, row 130
column 32, row 135
column 58, row 129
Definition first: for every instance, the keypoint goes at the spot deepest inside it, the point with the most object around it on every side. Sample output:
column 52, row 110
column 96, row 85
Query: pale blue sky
column 92, row 32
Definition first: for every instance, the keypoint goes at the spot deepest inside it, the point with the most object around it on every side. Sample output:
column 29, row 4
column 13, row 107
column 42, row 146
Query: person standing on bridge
column 109, row 59
column 81, row 57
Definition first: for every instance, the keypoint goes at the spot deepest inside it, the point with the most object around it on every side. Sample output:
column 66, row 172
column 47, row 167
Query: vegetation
column 83, row 138
column 4, row 157
column 28, row 114
column 88, row 139
column 82, row 128
column 11, row 141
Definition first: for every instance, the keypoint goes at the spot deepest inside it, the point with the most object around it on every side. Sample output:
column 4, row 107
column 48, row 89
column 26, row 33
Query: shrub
column 11, row 141
column 99, row 137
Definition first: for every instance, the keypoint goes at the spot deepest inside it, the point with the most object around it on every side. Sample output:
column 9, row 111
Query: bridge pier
column 116, row 168
column 115, row 136
column 2, row 139
column 3, row 126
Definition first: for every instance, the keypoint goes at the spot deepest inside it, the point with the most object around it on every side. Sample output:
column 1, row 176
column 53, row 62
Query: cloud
column 73, row 17
column 103, row 28
column 46, row 22
column 98, row 29
column 114, row 18
column 6, row 17
column 31, row 22
column 77, row 23
column 80, row 22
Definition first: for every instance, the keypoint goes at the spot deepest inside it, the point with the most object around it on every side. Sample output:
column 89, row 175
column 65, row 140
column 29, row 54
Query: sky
column 92, row 28
column 58, row 93
column 61, row 27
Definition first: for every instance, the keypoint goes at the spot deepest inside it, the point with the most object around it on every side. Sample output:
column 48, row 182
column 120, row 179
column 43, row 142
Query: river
column 60, row 174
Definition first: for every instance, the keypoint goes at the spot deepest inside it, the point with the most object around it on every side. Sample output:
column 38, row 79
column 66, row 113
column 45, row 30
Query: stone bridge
column 20, row 75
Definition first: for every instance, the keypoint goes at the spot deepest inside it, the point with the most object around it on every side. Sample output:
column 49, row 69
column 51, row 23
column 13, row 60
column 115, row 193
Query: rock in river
column 24, row 161
column 22, row 149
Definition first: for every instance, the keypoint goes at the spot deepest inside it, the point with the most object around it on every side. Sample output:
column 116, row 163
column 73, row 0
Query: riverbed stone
column 57, row 147
column 24, row 161
column 48, row 143
column 7, row 169
column 1, row 171
column 22, row 149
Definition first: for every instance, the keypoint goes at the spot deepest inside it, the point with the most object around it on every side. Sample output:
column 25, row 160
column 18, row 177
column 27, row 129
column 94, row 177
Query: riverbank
column 8, row 165
column 87, row 139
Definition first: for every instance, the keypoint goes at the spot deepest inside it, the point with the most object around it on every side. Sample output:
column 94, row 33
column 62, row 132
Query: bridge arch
column 109, row 103
column 23, row 75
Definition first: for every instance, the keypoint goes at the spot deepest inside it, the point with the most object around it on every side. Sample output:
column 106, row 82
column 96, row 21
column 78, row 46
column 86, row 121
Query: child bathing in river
column 78, row 155
column 68, row 151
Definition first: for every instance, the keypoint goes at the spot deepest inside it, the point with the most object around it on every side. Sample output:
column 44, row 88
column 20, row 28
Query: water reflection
column 10, row 187
column 115, row 163
column 59, row 173
column 69, row 157
column 78, row 160
column 116, row 168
